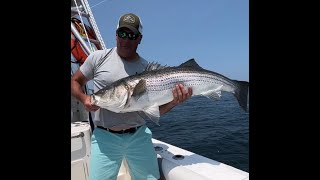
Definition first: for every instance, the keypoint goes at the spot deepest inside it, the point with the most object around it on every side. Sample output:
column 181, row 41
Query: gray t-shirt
column 104, row 70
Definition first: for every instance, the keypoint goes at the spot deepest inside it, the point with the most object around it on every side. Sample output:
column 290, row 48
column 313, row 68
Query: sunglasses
column 124, row 35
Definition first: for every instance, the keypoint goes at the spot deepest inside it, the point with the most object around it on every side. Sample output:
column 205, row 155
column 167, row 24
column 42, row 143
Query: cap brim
column 134, row 30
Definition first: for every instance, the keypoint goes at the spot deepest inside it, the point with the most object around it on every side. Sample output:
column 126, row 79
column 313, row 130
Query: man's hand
column 88, row 105
column 180, row 94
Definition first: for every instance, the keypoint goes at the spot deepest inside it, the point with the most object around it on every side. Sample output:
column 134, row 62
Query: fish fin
column 154, row 66
column 191, row 63
column 214, row 94
column 140, row 88
column 242, row 94
column 152, row 113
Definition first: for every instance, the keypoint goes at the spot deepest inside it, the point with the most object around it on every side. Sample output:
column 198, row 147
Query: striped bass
column 146, row 91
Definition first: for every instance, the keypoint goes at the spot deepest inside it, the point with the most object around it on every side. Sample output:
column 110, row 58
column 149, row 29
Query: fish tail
column 242, row 94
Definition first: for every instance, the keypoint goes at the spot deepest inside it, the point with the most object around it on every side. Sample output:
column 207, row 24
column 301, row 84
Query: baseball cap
column 130, row 21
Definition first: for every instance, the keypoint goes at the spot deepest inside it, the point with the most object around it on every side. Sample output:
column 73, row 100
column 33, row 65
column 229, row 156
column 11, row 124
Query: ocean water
column 218, row 130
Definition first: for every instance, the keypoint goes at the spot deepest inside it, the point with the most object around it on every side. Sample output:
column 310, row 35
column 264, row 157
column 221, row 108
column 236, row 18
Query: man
column 120, row 136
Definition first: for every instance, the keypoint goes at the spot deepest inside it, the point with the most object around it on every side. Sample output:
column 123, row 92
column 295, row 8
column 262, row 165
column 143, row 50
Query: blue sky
column 213, row 32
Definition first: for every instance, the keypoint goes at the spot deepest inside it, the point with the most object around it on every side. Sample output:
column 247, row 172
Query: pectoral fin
column 152, row 113
column 140, row 88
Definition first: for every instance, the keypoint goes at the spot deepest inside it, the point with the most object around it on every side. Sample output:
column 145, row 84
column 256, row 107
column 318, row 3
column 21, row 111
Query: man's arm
column 78, row 80
column 180, row 94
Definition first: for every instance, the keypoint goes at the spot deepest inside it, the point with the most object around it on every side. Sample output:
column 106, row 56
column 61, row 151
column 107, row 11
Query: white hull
column 175, row 163
column 80, row 150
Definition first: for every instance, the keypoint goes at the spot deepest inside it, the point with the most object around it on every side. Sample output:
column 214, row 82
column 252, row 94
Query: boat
column 174, row 163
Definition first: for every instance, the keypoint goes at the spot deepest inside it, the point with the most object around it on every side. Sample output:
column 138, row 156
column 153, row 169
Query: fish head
column 113, row 98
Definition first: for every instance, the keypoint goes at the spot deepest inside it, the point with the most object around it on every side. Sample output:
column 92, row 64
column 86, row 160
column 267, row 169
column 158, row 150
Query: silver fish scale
column 167, row 81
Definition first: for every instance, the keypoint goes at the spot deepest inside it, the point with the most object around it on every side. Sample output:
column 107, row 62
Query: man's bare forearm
column 165, row 108
column 77, row 91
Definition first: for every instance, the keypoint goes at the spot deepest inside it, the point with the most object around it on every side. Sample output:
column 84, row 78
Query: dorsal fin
column 190, row 63
column 154, row 66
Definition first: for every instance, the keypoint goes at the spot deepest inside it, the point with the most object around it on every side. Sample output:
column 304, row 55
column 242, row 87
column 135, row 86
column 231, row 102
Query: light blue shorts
column 109, row 149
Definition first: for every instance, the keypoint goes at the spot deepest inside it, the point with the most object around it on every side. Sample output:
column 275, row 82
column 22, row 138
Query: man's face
column 127, row 42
